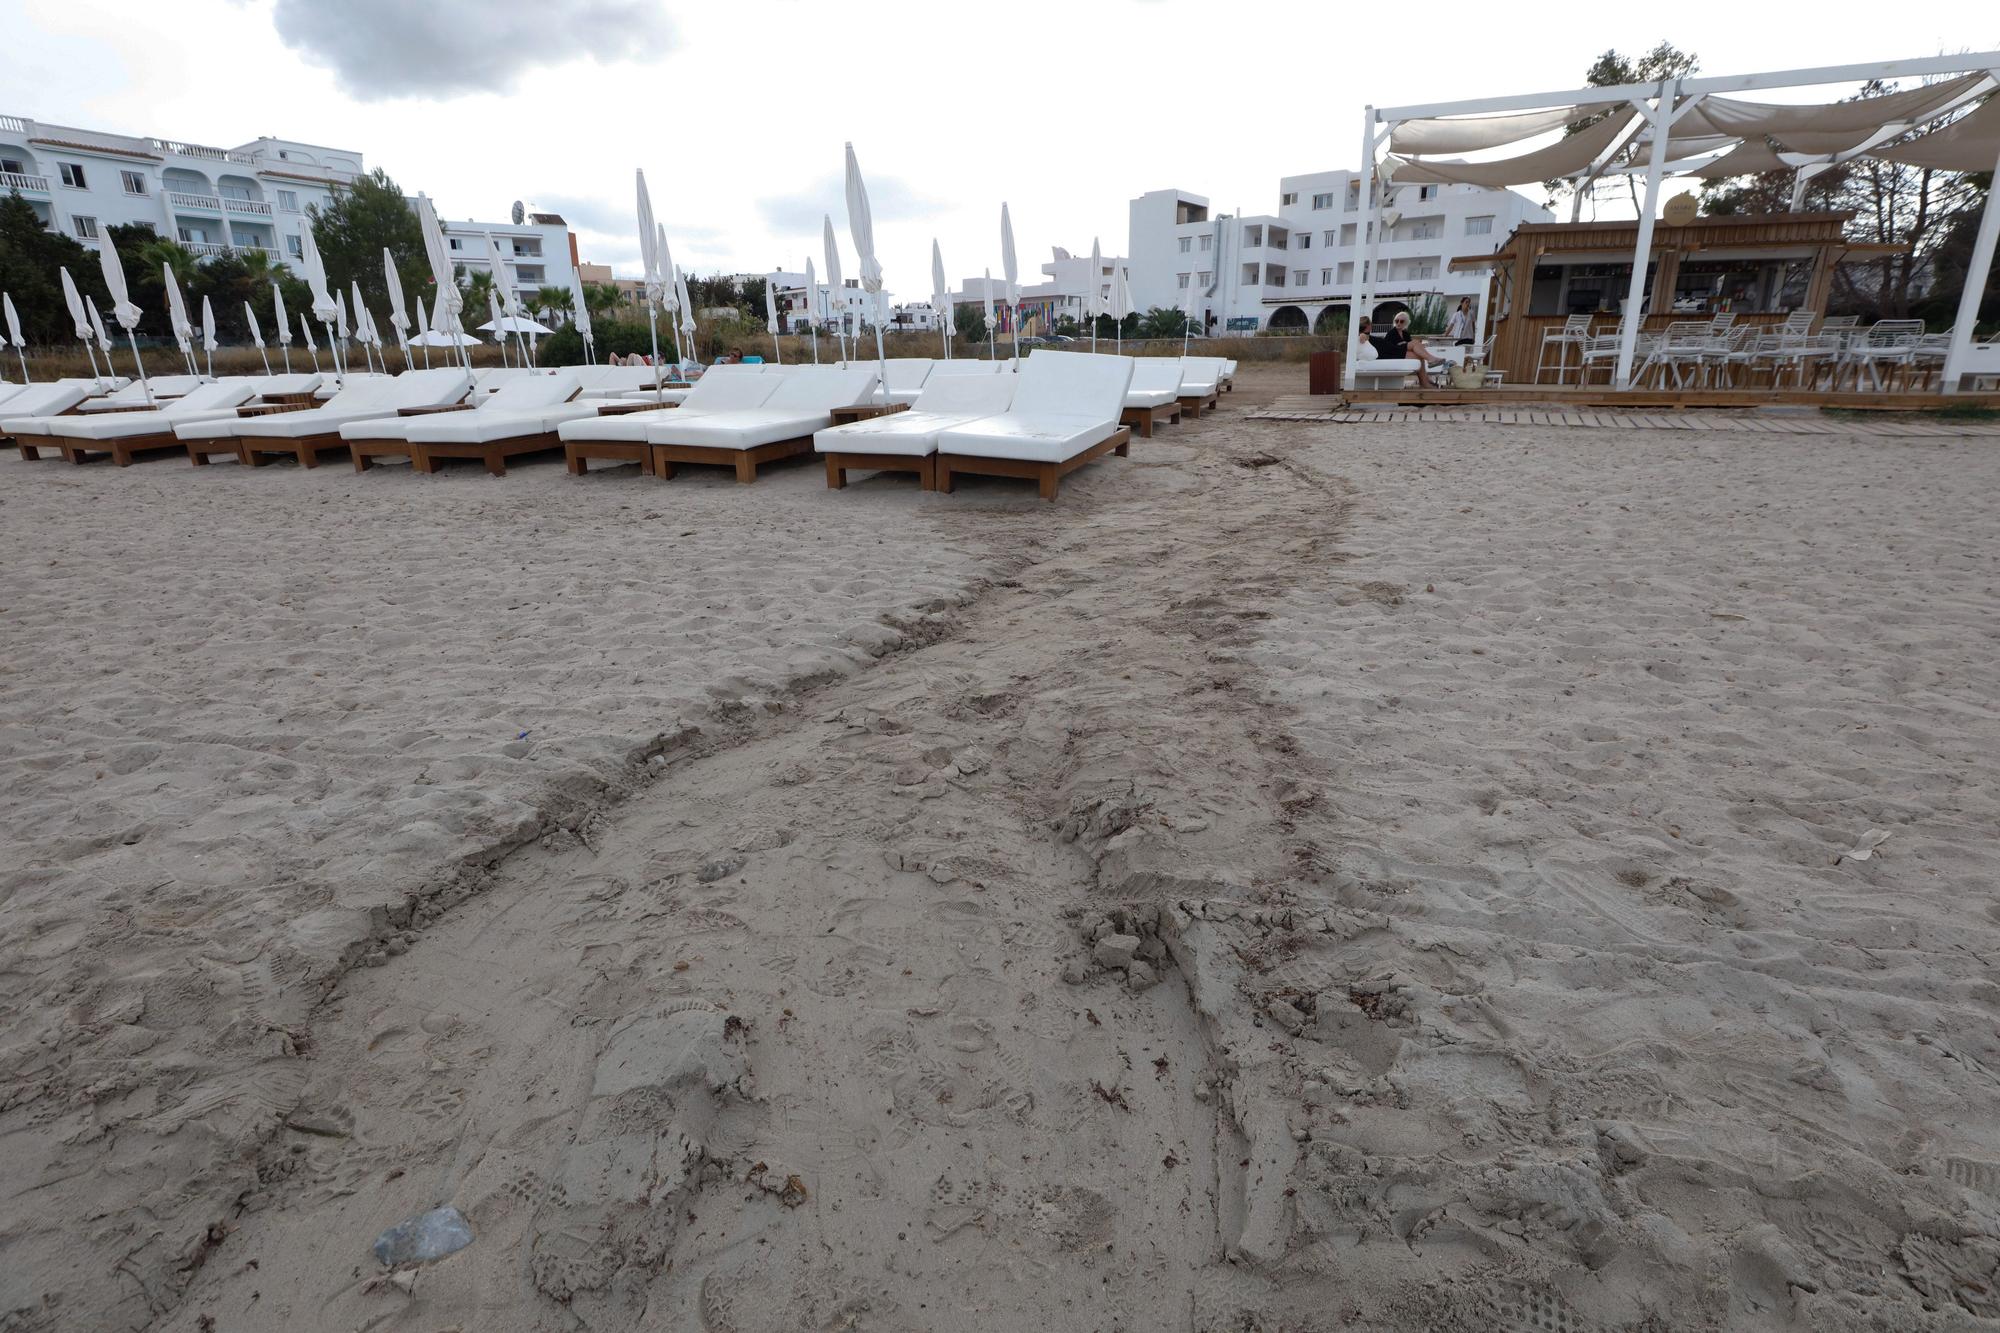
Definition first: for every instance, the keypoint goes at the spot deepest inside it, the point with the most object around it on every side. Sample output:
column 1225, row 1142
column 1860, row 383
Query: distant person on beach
column 1459, row 327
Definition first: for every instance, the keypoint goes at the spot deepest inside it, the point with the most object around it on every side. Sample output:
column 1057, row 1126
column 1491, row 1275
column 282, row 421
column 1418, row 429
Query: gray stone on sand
column 1116, row 950
column 423, row 1238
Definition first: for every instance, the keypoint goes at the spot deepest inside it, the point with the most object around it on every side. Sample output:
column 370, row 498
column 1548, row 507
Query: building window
column 1299, row 276
column 288, row 200
column 1250, row 275
column 1330, row 238
column 72, row 175
column 1325, row 277
column 1353, row 195
column 454, row 243
column 1182, row 282
column 1482, row 226
column 1201, row 279
column 86, row 228
column 1278, row 238
column 1253, row 238
column 1289, row 198
column 1202, row 244
column 1273, row 276
column 1426, row 192
column 1429, row 229
column 1427, row 270
column 1346, row 273
column 1323, row 200
column 1305, row 241
column 135, row 182
column 295, row 247
column 194, row 235
column 1186, row 243
column 13, row 166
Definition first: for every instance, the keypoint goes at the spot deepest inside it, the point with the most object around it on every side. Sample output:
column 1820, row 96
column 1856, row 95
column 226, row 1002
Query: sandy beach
column 1314, row 876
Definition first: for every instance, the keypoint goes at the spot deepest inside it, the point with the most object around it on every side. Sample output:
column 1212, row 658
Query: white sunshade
column 437, row 338
column 74, row 300
column 278, row 314
column 208, row 343
column 443, row 276
column 398, row 315
column 649, row 244
column 177, row 311
column 1093, row 301
column 1008, row 267
column 1563, row 158
column 579, row 312
column 1749, row 158
column 514, row 324
column 13, row 320
column 861, row 225
column 1473, row 133
column 1970, row 143
column 324, row 307
column 770, row 306
column 503, row 281
column 122, row 308
column 832, row 248
column 97, row 324
column 986, row 293
column 256, row 333
column 1829, row 127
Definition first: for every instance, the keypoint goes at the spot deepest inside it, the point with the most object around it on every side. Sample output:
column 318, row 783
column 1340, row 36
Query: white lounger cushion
column 904, row 378
column 722, row 389
column 948, row 401
column 285, row 386
column 629, row 429
column 604, row 381
column 800, row 403
column 962, row 366
column 1200, row 375
column 220, row 399
column 528, row 394
column 486, row 426
column 134, row 395
column 1064, row 402
column 362, row 397
column 1156, row 382
column 41, row 400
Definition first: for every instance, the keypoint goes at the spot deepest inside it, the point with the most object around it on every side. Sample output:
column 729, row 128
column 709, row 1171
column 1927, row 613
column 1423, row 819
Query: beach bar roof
column 1697, row 126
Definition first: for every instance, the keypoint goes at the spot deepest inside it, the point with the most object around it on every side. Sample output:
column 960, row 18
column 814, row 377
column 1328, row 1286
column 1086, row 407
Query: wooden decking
column 1338, row 410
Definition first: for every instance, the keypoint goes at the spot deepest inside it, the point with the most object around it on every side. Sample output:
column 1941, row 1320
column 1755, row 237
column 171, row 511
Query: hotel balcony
column 207, row 203
column 13, row 180
column 255, row 207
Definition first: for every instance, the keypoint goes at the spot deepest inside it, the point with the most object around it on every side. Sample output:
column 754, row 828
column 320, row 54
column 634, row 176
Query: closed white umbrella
column 305, row 328
column 501, row 256
column 580, row 316
column 73, row 299
column 122, row 308
column 992, row 333
column 1189, row 313
column 685, row 341
column 861, row 226
column 1093, row 300
column 812, row 308
column 325, row 303
column 443, row 277
column 658, row 280
column 423, row 327
column 399, row 316
column 177, row 315
column 771, row 316
column 14, row 332
column 361, row 330
column 940, row 297
column 833, row 286
column 499, row 335
column 284, row 324
column 97, row 327
column 1121, row 304
column 1012, row 270
column 208, row 335
column 256, row 335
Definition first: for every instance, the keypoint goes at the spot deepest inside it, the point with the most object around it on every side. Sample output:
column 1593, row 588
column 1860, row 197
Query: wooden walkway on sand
column 1304, row 407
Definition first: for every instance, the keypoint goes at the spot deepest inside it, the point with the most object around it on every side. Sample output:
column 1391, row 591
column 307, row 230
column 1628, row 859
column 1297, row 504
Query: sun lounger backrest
column 233, row 391
column 1200, row 371
column 966, row 395
column 47, row 400
column 533, row 391
column 962, row 366
column 739, row 387
column 822, row 388
column 904, row 373
column 1072, row 384
column 273, row 386
column 613, row 379
column 1152, row 373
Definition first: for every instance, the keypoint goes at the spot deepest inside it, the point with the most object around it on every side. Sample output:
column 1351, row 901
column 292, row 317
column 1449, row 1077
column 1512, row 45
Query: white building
column 252, row 197
column 542, row 252
column 1068, row 281
column 1290, row 268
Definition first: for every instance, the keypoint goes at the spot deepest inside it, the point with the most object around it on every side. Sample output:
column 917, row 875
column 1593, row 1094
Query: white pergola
column 1692, row 127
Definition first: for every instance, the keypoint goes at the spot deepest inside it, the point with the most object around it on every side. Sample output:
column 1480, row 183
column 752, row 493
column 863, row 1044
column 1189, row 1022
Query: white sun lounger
column 299, row 384
column 964, row 366
column 26, row 408
column 908, row 441
column 1065, row 413
column 1201, row 384
column 516, row 408
column 254, row 438
column 123, row 434
column 903, row 378
column 1155, row 394
column 333, row 384
column 133, row 396
column 623, row 439
column 801, row 401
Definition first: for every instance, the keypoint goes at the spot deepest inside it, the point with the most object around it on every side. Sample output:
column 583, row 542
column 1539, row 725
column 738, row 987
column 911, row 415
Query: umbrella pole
column 653, row 328
column 881, row 361
column 288, row 357
column 141, row 365
column 89, row 352
column 315, row 357
column 22, row 352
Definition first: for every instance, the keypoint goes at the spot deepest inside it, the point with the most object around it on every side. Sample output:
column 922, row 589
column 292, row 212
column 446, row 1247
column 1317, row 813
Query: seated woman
column 1398, row 344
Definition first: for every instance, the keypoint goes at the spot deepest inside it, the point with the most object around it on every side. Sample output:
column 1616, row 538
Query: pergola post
column 1659, row 120
column 1364, row 180
column 1978, row 270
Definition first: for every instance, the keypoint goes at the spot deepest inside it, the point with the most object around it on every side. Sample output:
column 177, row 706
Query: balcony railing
column 13, row 125
column 207, row 247
column 256, row 206
column 14, row 180
column 201, row 150
column 206, row 202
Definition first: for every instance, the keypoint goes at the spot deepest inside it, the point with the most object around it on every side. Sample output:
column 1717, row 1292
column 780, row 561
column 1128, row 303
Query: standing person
column 1459, row 326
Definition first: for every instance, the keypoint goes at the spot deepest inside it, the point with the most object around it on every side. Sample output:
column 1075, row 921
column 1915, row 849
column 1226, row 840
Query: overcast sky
column 737, row 110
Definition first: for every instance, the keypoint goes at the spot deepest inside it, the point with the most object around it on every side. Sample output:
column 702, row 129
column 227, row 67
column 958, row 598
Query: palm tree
column 478, row 285
column 550, row 301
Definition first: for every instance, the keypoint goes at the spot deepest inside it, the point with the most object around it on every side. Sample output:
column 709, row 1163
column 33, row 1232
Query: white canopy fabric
column 256, row 333
column 443, row 276
column 305, row 327
column 122, row 308
column 13, row 320
column 861, row 225
column 1970, row 143
column 278, row 313
column 97, row 324
column 177, row 311
column 1122, row 290
column 1564, row 158
column 670, row 293
column 649, row 254
column 1009, row 267
column 325, row 309
column 986, row 293
column 1829, row 127
column 435, row 338
column 503, row 279
column 1473, row 133
column 208, row 343
column 687, row 314
column 74, row 300
column 770, row 307
column 340, row 325
column 579, row 312
column 515, row 324
column 363, row 334
column 1093, row 297
column 940, row 296
column 832, row 248
column 423, row 327
column 398, row 315
column 1748, row 158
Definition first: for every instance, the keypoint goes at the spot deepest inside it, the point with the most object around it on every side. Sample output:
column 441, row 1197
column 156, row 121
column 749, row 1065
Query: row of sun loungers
column 1040, row 419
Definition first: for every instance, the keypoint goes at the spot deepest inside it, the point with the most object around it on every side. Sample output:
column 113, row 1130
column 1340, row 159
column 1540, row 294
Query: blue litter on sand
column 520, row 735
column 423, row 1238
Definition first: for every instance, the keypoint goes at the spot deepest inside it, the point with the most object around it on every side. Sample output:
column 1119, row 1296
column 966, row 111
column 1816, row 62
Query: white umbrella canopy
column 73, row 299
column 687, row 315
column 1012, row 270
column 1093, row 299
column 323, row 303
column 812, row 307
column 278, row 315
column 443, row 277
column 439, row 338
column 940, row 296
column 305, row 327
column 97, row 325
column 832, row 248
column 580, row 313
column 14, row 332
column 208, row 333
column 986, row 294
column 655, row 277
column 771, row 317
column 515, row 324
column 177, row 312
column 256, row 335
column 861, row 227
column 399, row 316
column 340, row 324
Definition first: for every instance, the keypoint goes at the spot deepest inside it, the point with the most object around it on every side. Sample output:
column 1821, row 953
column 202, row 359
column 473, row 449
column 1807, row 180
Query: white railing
column 201, row 150
column 257, row 206
column 206, row 247
column 13, row 180
column 13, row 124
column 203, row 201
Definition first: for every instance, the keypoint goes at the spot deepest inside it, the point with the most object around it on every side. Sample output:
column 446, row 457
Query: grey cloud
column 431, row 48
column 889, row 199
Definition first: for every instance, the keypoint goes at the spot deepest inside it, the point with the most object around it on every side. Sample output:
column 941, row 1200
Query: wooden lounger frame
column 578, row 453
column 1145, row 418
column 256, row 451
column 1050, row 475
column 1194, row 404
column 746, row 461
column 838, row 464
column 427, row 454
column 121, row 450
